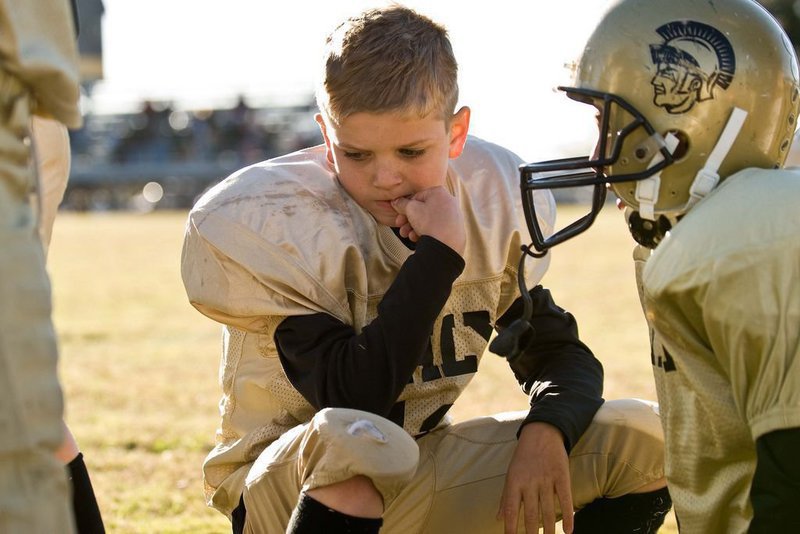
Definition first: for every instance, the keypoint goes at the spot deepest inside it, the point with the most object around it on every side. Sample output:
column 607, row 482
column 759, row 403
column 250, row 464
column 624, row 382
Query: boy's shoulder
column 477, row 150
column 277, row 200
column 285, row 180
column 484, row 166
column 705, row 242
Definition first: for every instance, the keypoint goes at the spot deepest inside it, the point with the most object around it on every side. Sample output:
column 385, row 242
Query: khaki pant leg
column 34, row 496
column 335, row 446
column 459, row 481
column 462, row 468
column 620, row 452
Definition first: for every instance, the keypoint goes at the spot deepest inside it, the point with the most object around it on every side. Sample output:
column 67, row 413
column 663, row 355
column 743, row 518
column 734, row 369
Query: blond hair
column 386, row 60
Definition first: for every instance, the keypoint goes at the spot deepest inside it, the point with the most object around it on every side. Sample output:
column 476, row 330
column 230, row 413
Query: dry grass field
column 139, row 364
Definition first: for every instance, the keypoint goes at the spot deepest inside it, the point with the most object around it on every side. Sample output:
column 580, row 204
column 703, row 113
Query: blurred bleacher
column 164, row 158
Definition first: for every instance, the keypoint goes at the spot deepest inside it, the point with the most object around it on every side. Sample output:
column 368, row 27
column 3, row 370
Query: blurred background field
column 139, row 364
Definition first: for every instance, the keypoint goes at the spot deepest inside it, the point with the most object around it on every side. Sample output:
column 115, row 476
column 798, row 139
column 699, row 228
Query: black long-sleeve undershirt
column 332, row 366
column 775, row 490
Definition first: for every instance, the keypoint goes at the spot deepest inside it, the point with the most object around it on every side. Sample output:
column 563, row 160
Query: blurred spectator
column 184, row 151
column 158, row 134
column 150, row 137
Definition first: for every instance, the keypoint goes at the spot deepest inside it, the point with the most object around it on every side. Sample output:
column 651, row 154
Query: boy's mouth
column 390, row 200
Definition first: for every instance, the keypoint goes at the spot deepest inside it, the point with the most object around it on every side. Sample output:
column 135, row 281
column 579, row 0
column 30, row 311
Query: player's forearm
column 331, row 365
column 567, row 404
column 559, row 372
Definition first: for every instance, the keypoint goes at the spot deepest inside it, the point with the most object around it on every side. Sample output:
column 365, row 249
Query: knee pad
column 340, row 443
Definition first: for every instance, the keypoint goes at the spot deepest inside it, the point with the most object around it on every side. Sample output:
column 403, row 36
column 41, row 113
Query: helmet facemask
column 626, row 141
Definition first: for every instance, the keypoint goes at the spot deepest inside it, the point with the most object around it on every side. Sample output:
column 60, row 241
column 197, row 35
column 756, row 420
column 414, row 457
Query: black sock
column 642, row 513
column 312, row 517
column 84, row 503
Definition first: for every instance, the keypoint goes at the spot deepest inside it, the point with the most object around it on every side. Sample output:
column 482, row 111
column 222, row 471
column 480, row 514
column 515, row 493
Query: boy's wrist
column 452, row 258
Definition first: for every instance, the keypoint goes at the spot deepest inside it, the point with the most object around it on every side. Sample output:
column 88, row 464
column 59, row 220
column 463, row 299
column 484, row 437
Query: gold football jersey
column 282, row 238
column 721, row 297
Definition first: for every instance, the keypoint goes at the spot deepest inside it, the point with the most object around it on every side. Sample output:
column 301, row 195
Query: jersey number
column 477, row 321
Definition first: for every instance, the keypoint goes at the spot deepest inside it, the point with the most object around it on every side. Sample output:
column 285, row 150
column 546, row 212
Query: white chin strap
column 706, row 178
column 647, row 190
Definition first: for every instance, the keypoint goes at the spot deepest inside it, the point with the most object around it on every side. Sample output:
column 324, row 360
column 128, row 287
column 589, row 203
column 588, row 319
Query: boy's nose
column 386, row 176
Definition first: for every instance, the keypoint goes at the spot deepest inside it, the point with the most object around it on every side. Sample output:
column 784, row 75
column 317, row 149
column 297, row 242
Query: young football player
column 38, row 77
column 697, row 104
column 359, row 283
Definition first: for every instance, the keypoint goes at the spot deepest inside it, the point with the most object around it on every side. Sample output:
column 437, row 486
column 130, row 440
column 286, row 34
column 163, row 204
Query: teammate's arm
column 775, row 491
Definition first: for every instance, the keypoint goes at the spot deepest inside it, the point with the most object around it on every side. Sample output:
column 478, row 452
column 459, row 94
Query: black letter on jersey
column 665, row 362
column 451, row 366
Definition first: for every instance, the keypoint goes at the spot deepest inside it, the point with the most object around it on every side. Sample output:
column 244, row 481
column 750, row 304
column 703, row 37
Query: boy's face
column 383, row 156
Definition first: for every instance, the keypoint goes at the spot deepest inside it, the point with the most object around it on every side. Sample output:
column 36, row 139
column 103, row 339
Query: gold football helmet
column 688, row 92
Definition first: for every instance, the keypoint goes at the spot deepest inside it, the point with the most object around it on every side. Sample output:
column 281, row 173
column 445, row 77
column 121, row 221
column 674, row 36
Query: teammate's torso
column 713, row 299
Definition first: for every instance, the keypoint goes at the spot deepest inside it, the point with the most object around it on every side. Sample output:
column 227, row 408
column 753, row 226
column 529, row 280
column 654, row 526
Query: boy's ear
column 324, row 131
column 459, row 127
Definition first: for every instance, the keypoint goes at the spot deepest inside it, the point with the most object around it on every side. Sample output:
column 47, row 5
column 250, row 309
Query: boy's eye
column 357, row 156
column 412, row 152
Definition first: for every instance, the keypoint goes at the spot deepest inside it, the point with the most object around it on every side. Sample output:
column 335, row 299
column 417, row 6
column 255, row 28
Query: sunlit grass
column 139, row 364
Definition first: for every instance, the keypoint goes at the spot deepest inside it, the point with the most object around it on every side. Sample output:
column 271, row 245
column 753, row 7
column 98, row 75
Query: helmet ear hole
column 683, row 144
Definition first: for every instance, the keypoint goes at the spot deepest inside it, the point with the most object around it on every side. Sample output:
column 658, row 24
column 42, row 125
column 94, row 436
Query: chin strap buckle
column 704, row 181
column 707, row 178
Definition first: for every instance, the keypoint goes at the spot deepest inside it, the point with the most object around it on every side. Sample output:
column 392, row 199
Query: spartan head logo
column 691, row 63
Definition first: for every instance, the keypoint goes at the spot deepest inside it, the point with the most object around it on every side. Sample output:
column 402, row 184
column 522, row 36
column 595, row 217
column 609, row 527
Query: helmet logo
column 693, row 60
